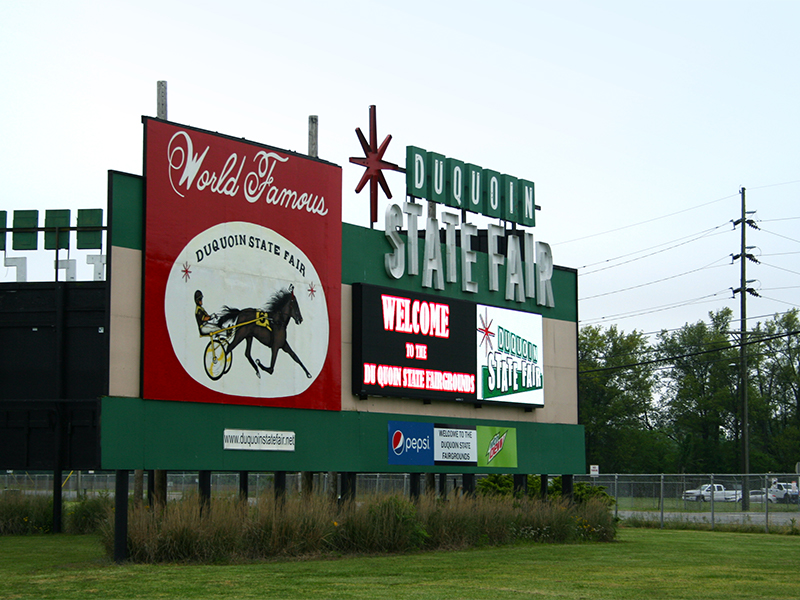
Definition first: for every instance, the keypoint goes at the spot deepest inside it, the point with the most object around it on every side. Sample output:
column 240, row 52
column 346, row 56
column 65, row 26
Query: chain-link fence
column 759, row 498
column 710, row 498
column 179, row 484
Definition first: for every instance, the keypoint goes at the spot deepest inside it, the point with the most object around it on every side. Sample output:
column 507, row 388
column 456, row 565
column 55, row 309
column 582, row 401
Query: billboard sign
column 412, row 345
column 434, row 444
column 242, row 272
column 509, row 364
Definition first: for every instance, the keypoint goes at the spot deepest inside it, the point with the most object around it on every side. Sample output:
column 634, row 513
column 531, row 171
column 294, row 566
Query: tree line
column 674, row 404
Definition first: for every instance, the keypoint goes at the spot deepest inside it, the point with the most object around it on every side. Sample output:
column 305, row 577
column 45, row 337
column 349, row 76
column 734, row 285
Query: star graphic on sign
column 485, row 329
column 374, row 163
column 311, row 290
column 186, row 271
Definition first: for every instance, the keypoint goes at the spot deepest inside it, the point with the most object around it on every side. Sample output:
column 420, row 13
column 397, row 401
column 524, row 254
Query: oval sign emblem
column 246, row 313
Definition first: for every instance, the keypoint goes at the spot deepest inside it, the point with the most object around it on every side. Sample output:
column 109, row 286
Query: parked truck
column 784, row 492
column 704, row 493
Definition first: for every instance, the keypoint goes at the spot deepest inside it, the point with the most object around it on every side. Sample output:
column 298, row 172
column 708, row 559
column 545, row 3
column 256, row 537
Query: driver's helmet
column 198, row 296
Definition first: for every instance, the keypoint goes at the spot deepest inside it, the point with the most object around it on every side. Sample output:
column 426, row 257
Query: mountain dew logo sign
column 497, row 447
column 510, row 364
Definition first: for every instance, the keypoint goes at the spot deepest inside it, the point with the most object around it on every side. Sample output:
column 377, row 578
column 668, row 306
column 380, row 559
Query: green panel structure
column 527, row 202
column 436, row 175
column 58, row 239
column 510, row 198
column 25, row 240
column 126, row 219
column 363, row 253
column 3, row 225
column 416, row 180
column 455, row 194
column 492, row 191
column 149, row 434
column 90, row 238
column 474, row 175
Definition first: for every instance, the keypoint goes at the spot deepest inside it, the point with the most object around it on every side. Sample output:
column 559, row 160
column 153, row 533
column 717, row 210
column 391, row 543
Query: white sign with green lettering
column 510, row 366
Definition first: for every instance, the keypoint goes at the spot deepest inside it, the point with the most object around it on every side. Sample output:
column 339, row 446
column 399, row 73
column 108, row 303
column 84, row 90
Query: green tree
column 700, row 397
column 615, row 399
column 775, row 422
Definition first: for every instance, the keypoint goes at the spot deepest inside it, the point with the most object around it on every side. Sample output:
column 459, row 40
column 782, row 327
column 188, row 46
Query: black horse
column 268, row 326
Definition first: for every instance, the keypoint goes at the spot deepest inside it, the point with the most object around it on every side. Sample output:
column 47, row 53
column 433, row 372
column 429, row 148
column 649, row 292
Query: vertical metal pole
column 159, row 476
column 520, row 484
column 766, row 503
column 244, row 487
column 313, row 136
column 415, row 487
column 58, row 459
column 616, row 497
column 661, row 500
column 712, row 502
column 567, row 487
column 204, row 488
column 121, row 517
column 161, row 100
column 743, row 361
column 468, row 483
column 280, row 486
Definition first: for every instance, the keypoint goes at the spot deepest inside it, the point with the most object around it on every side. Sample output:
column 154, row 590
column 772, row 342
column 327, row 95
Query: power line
column 708, row 266
column 772, row 315
column 699, row 300
column 644, row 222
column 779, row 235
column 761, row 187
column 781, row 301
column 689, row 354
column 700, row 234
column 780, row 268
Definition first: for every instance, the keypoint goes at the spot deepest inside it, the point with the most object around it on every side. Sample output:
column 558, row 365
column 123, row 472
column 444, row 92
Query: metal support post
column 414, row 487
column 244, row 485
column 348, row 486
column 204, row 488
column 468, row 481
column 567, row 487
column 121, row 517
column 520, row 484
column 280, row 486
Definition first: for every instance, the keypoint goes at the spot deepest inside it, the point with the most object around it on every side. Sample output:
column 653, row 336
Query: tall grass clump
column 88, row 513
column 289, row 527
column 25, row 514
column 385, row 524
column 230, row 530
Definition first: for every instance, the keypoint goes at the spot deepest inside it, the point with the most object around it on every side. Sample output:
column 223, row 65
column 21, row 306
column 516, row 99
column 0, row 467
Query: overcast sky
column 639, row 122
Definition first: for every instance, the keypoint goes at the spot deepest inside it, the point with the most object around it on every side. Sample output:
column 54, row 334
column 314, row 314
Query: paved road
column 752, row 517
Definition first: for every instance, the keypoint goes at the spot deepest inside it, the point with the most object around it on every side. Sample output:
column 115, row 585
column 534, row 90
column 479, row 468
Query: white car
column 758, row 496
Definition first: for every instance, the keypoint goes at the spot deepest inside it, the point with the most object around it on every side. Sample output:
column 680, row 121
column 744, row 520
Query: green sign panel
column 465, row 186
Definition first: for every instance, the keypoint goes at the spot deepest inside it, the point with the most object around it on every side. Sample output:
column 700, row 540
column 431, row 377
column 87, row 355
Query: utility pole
column 743, row 290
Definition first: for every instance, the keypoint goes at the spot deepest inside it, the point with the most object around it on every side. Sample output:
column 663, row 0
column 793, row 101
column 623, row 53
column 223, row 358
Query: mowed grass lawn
column 641, row 564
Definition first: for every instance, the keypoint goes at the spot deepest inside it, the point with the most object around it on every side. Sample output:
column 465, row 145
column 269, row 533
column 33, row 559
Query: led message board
column 414, row 345
column 242, row 272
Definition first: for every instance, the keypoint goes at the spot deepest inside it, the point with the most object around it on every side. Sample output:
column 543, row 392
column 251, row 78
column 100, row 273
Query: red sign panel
column 242, row 272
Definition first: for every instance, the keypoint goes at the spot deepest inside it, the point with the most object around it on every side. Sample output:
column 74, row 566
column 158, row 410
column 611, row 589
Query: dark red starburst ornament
column 374, row 163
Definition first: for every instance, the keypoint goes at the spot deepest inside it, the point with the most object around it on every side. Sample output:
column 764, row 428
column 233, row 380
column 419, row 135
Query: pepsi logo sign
column 410, row 443
column 398, row 442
